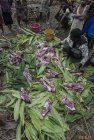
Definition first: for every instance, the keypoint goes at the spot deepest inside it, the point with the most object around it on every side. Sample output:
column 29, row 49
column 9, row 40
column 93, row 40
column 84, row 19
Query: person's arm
column 68, row 41
column 76, row 16
column 84, row 13
column 63, row 41
column 81, row 16
column 86, row 10
column 65, row 14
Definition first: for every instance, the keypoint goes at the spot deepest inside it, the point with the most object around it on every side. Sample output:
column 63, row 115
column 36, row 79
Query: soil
column 78, row 130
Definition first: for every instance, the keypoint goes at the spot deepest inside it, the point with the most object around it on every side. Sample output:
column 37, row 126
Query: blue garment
column 89, row 27
column 91, row 78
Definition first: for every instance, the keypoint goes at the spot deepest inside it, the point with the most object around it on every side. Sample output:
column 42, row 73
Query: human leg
column 1, row 27
column 19, row 20
column 1, row 24
column 7, row 19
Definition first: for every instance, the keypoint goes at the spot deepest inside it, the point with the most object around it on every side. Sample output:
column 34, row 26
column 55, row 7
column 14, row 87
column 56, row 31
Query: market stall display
column 37, row 86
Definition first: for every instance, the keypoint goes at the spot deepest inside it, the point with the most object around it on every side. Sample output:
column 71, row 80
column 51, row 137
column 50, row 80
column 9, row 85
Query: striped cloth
column 45, row 6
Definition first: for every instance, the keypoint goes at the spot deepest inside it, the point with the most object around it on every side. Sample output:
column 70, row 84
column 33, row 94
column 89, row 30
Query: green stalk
column 7, row 40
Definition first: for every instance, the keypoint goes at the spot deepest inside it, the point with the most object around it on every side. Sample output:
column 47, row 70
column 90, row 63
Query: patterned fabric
column 21, row 11
column 83, row 48
column 45, row 6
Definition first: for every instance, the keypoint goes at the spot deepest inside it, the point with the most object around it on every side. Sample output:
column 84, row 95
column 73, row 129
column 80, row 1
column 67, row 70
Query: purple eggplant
column 15, row 58
column 44, row 54
column 5, row 47
column 24, row 95
column 47, row 84
column 77, row 72
column 27, row 74
column 51, row 73
column 65, row 101
column 57, row 61
column 51, row 53
column 42, row 44
column 73, row 85
column 46, row 107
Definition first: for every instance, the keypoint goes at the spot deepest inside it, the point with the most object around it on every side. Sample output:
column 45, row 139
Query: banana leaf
column 17, row 110
column 18, row 132
column 22, row 112
column 28, row 115
column 35, row 120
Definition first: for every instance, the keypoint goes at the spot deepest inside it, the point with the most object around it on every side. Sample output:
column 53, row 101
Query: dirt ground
column 80, row 130
column 52, row 23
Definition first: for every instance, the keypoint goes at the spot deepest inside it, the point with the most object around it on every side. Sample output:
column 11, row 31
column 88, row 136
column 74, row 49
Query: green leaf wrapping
column 35, row 120
column 22, row 109
column 17, row 110
column 18, row 132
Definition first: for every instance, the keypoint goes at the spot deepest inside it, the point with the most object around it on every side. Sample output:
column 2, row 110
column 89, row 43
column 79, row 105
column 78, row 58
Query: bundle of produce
column 42, row 106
